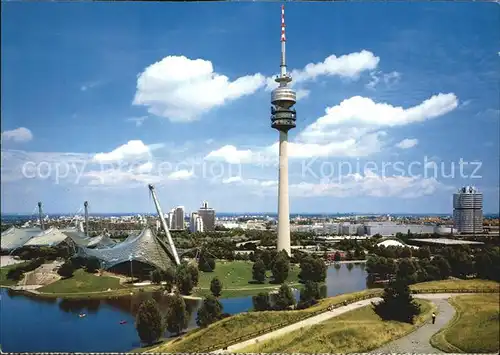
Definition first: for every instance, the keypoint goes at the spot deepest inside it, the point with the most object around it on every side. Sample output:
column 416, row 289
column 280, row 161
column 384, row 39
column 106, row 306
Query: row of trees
column 312, row 274
column 151, row 323
column 457, row 262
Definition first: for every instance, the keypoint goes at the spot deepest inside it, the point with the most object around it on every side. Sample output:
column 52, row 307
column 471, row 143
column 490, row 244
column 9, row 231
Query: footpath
column 416, row 342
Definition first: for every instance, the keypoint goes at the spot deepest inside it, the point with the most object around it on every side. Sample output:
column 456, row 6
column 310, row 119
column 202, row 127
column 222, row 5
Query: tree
column 312, row 269
column 92, row 265
column 311, row 292
column 66, row 270
column 149, row 322
column 284, row 298
column 195, row 274
column 442, row 265
column 337, row 257
column 359, row 254
column 177, row 317
column 209, row 312
column 397, row 303
column 216, row 287
column 281, row 267
column 405, row 253
column 156, row 276
column 349, row 255
column 169, row 275
column 261, row 302
column 268, row 257
column 184, row 280
column 424, row 252
column 406, row 270
column 259, row 271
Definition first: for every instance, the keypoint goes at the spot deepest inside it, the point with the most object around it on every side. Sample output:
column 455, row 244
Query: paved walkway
column 414, row 343
column 418, row 341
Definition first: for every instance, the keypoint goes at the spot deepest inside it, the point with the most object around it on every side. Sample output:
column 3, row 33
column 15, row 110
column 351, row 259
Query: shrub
column 156, row 276
column 15, row 274
column 209, row 312
column 66, row 270
column 92, row 265
column 311, row 292
column 261, row 302
column 216, row 287
column 149, row 322
column 284, row 298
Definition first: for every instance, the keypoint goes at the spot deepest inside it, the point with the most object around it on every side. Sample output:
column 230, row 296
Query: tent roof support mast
column 164, row 224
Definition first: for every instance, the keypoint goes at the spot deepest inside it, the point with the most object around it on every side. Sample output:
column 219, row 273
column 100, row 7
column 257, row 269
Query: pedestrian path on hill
column 417, row 341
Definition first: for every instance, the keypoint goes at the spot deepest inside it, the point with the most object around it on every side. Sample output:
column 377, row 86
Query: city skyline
column 420, row 86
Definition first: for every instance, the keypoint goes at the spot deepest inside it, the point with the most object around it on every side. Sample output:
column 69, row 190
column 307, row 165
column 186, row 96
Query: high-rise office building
column 179, row 217
column 169, row 218
column 468, row 210
column 195, row 223
column 208, row 216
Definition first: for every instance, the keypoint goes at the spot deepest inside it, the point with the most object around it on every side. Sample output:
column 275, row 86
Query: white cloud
column 302, row 94
column 238, row 180
column 134, row 149
column 407, row 143
column 230, row 154
column 389, row 79
column 19, row 135
column 353, row 128
column 360, row 111
column 346, row 66
column 181, row 175
column 369, row 184
column 181, row 89
column 145, row 168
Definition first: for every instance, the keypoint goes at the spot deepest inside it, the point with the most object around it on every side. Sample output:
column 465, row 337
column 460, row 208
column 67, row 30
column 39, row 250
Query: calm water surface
column 31, row 324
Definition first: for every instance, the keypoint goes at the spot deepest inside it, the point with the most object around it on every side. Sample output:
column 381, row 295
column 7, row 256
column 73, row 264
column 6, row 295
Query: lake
column 32, row 324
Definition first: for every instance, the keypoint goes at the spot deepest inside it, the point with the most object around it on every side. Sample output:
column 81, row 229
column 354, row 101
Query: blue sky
column 100, row 99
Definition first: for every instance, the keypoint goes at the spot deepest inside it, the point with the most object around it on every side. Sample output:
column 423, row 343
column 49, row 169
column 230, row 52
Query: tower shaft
column 283, row 199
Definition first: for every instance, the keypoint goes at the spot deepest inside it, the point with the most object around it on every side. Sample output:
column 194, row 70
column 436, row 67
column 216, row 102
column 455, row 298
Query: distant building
column 170, row 219
column 392, row 228
column 352, row 229
column 468, row 210
column 195, row 223
column 178, row 218
column 208, row 216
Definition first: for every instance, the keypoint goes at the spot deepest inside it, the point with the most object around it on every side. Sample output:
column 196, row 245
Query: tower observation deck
column 283, row 118
column 283, row 98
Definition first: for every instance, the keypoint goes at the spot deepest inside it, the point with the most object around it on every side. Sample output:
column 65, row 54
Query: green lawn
column 81, row 282
column 357, row 331
column 4, row 281
column 475, row 327
column 457, row 284
column 235, row 277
